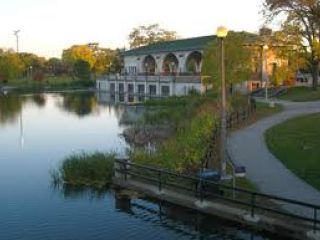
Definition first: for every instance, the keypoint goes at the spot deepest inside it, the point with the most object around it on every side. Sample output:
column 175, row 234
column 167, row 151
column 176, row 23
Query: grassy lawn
column 263, row 110
column 301, row 94
column 296, row 143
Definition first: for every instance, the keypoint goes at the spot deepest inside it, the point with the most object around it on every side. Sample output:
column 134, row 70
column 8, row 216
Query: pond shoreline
column 20, row 90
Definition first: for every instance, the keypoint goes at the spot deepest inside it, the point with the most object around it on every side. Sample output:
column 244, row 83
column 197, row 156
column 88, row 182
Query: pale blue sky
column 48, row 26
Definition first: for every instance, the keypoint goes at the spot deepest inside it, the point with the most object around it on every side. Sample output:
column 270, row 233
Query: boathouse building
column 160, row 69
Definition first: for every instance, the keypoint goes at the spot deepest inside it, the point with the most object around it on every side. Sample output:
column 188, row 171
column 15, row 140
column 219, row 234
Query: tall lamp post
column 265, row 70
column 222, row 33
column 16, row 33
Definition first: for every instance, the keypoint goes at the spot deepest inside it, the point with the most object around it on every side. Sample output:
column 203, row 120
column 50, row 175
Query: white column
column 116, row 86
column 159, row 62
column 182, row 62
column 107, row 86
column 146, row 89
column 199, row 67
column 135, row 90
column 126, row 93
column 172, row 86
column 159, row 87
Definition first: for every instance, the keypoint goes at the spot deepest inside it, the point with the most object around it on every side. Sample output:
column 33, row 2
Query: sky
column 49, row 26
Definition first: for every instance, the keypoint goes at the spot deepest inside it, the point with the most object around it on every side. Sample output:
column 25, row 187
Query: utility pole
column 16, row 33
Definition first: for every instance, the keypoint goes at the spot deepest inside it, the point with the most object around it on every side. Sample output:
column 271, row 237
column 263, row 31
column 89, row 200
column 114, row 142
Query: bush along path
column 247, row 147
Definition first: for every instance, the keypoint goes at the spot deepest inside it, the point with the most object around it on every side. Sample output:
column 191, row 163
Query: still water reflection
column 36, row 132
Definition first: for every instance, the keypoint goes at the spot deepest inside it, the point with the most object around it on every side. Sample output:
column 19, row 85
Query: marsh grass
column 85, row 169
column 192, row 119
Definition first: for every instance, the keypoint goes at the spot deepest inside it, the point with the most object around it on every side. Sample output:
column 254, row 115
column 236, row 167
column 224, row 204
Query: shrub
column 38, row 76
column 185, row 151
column 85, row 169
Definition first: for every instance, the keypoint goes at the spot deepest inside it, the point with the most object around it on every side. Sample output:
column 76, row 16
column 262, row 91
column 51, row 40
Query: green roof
column 188, row 44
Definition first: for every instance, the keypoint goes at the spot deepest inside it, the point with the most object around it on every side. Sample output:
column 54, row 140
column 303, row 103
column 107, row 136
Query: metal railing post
column 200, row 191
column 196, row 189
column 201, row 194
column 125, row 170
column 159, row 179
column 237, row 117
column 253, row 203
column 315, row 219
column 233, row 183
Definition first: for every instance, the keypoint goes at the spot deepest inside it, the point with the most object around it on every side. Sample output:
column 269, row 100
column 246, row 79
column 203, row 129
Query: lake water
column 36, row 133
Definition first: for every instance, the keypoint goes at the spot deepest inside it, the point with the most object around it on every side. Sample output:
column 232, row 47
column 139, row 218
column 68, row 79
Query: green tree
column 34, row 66
column 11, row 66
column 56, row 66
column 288, row 50
column 82, row 69
column 302, row 18
column 79, row 52
column 238, row 60
column 145, row 35
column 117, row 61
column 106, row 61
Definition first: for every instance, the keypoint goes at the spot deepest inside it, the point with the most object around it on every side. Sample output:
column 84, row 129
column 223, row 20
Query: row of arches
column 171, row 64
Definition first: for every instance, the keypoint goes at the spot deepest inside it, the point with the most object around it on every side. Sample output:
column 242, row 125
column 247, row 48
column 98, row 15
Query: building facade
column 163, row 69
column 173, row 68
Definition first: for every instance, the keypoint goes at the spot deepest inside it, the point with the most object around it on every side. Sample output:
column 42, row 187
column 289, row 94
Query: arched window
column 170, row 64
column 193, row 63
column 149, row 65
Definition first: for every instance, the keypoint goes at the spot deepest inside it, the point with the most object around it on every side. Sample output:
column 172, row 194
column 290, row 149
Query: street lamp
column 265, row 59
column 222, row 33
column 16, row 33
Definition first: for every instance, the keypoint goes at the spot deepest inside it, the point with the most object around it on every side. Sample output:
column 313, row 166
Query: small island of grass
column 85, row 169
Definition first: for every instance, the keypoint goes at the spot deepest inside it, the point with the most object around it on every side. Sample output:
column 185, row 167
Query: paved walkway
column 247, row 147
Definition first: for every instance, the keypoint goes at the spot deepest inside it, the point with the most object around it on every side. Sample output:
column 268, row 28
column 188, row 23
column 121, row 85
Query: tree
column 79, row 52
column 34, row 66
column 287, row 48
column 56, row 66
column 11, row 66
column 106, row 61
column 302, row 18
column 100, row 60
column 145, row 35
column 82, row 69
column 117, row 61
column 238, row 60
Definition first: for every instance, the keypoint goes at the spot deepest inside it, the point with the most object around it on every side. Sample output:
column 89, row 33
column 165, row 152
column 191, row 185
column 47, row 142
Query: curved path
column 247, row 147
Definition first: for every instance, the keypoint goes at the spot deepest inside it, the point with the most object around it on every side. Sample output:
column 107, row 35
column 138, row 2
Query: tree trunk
column 315, row 74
